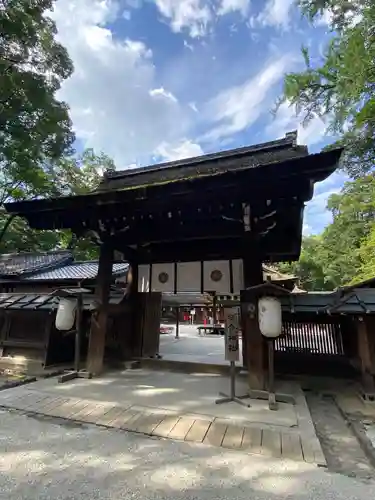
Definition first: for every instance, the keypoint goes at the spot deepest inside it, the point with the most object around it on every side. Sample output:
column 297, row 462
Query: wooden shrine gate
column 230, row 207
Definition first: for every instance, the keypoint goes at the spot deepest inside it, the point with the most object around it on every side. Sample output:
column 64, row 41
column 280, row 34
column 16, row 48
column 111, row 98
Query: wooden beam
column 135, row 327
column 253, row 343
column 366, row 353
column 99, row 320
column 240, row 187
column 189, row 250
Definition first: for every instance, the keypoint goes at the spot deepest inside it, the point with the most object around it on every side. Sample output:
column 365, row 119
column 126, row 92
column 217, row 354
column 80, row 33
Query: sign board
column 232, row 321
column 192, row 312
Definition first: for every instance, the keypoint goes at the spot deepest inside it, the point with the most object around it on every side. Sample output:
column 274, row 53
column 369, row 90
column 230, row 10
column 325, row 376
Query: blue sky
column 159, row 80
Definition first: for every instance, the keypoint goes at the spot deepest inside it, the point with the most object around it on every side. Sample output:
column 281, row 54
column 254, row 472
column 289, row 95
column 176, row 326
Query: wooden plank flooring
column 199, row 429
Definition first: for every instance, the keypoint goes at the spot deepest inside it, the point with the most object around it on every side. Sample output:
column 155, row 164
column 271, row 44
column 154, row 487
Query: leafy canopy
column 34, row 125
column 78, row 174
column 344, row 252
column 341, row 88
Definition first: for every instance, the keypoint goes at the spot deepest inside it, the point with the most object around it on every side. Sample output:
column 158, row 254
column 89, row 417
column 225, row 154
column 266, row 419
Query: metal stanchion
column 232, row 355
column 177, row 336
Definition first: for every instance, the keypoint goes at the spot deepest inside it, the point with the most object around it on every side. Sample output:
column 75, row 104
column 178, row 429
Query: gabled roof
column 208, row 164
column 51, row 266
column 20, row 265
column 40, row 302
column 77, row 271
column 284, row 156
column 275, row 275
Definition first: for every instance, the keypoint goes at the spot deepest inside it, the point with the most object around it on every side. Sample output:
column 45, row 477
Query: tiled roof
column 209, row 164
column 22, row 264
column 34, row 301
column 276, row 275
column 77, row 271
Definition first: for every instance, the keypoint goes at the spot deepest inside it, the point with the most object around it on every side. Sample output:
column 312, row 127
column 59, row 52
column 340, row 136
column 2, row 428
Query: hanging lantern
column 270, row 317
column 66, row 314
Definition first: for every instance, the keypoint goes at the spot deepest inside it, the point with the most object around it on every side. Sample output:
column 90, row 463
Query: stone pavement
column 44, row 459
column 198, row 429
column 82, row 401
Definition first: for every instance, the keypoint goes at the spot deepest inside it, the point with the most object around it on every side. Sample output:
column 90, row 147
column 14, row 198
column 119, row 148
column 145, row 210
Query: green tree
column 366, row 256
column 78, row 174
column 310, row 267
column 341, row 88
column 353, row 213
column 34, row 125
column 344, row 252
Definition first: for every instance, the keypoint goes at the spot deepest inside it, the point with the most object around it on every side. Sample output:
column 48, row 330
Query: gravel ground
column 49, row 459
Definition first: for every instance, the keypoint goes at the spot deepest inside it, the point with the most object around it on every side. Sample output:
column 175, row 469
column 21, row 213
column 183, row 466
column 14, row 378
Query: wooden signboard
column 232, row 348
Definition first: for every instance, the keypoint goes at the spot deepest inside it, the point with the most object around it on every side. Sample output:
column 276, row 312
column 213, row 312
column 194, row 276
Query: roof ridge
column 29, row 263
column 94, row 261
column 290, row 140
column 28, row 254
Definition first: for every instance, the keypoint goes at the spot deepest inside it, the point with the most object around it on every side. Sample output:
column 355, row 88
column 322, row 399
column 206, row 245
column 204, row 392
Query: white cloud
column 286, row 120
column 325, row 19
column 227, row 6
column 306, row 229
column 185, row 149
column 197, row 16
column 317, row 217
column 236, row 108
column 276, row 13
column 161, row 92
column 117, row 106
column 193, row 15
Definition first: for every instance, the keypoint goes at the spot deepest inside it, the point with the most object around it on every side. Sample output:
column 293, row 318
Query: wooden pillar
column 137, row 306
column 95, row 356
column 253, row 344
column 366, row 352
column 214, row 309
column 177, row 323
column 150, row 312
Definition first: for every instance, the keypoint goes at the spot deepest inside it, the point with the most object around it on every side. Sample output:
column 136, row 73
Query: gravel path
column 48, row 459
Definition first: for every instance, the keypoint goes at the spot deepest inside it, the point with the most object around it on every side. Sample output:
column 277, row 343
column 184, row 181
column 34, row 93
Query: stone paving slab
column 198, row 429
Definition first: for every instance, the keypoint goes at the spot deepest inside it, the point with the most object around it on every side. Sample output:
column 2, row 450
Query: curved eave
column 316, row 167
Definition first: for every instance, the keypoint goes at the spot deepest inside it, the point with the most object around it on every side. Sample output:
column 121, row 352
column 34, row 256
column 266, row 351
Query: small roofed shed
column 29, row 339
column 245, row 203
column 45, row 271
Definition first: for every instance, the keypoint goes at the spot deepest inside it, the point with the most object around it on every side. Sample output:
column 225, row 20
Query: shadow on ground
column 44, row 459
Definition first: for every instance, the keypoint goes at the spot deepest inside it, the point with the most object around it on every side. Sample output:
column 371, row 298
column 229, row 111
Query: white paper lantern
column 66, row 314
column 269, row 317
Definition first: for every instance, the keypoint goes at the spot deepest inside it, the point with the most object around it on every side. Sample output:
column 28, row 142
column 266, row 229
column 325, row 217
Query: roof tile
column 77, row 271
column 20, row 264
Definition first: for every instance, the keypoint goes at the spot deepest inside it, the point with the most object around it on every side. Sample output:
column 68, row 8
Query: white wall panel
column 162, row 269
column 223, row 284
column 144, row 278
column 189, row 277
column 237, row 268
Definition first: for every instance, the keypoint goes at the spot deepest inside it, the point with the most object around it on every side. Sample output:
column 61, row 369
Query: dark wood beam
column 99, row 319
column 253, row 342
column 194, row 194
column 185, row 251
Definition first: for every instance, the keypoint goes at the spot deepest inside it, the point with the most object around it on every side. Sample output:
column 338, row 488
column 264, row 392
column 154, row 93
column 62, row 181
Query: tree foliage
column 36, row 156
column 34, row 125
column 341, row 88
column 344, row 252
column 78, row 174
column 310, row 268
